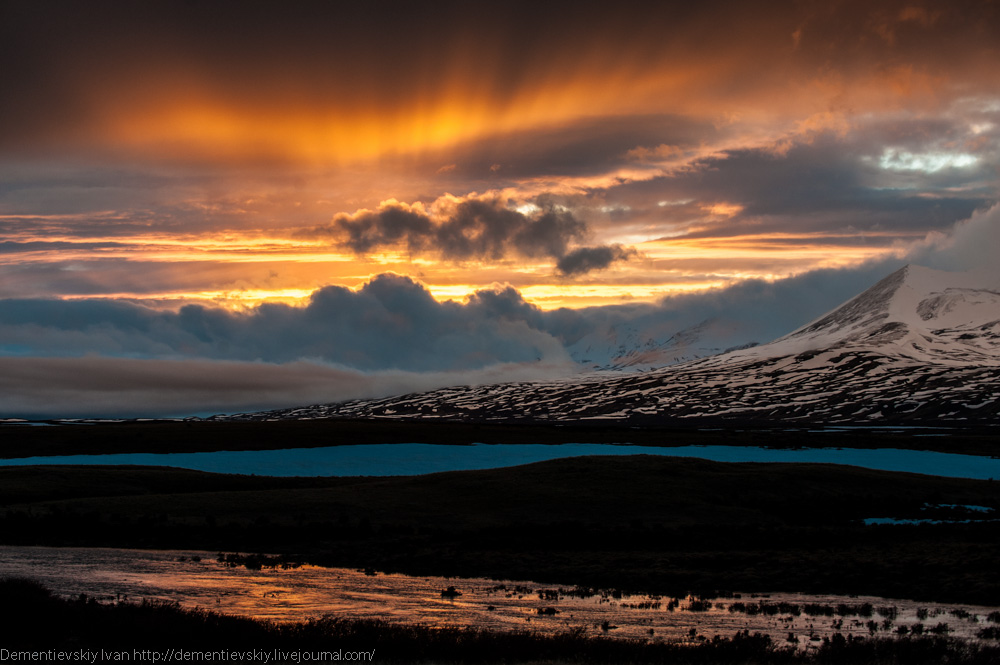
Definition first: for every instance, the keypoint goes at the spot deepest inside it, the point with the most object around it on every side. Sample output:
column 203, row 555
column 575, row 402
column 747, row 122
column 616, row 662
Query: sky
column 220, row 205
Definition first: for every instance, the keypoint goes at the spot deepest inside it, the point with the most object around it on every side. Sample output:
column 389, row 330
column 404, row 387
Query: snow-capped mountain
column 920, row 347
column 916, row 312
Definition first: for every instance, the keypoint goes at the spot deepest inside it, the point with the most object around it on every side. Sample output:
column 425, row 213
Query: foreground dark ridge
column 44, row 622
column 643, row 523
column 197, row 436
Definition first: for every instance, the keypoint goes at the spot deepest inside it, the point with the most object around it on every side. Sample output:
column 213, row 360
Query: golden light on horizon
column 241, row 270
column 230, row 299
column 555, row 296
column 801, row 251
column 543, row 296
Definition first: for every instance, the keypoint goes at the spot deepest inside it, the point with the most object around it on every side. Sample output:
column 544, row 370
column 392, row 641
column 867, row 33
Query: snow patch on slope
column 915, row 312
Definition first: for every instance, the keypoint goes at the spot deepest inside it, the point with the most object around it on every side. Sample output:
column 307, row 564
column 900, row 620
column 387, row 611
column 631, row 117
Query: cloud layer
column 390, row 323
column 91, row 387
column 393, row 323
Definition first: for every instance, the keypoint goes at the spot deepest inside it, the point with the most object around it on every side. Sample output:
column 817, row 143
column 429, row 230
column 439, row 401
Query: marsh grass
column 40, row 620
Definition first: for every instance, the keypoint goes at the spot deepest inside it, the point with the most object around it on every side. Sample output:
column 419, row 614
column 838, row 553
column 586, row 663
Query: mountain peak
column 916, row 312
column 865, row 309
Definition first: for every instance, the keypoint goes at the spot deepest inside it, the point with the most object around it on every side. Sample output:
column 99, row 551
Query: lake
column 403, row 459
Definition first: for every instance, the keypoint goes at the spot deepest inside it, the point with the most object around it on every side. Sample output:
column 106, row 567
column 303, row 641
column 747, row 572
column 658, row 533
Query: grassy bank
column 42, row 621
column 644, row 523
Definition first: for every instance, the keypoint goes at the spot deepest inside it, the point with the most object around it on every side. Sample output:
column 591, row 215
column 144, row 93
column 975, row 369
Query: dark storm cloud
column 506, row 304
column 487, row 230
column 392, row 225
column 475, row 229
column 828, row 182
column 585, row 259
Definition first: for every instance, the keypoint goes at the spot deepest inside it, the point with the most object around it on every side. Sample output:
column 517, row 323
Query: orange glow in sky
column 680, row 149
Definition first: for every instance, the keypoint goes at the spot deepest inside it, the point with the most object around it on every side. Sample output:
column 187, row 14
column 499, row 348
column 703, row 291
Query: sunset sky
column 331, row 189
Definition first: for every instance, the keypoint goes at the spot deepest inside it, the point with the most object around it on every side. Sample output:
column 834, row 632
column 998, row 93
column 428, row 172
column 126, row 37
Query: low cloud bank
column 94, row 387
column 394, row 323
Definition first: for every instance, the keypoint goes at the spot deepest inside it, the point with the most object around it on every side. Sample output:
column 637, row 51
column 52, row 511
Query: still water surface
column 197, row 579
column 405, row 459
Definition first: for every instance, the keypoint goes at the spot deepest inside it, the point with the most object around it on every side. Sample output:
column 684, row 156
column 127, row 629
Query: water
column 197, row 579
column 402, row 459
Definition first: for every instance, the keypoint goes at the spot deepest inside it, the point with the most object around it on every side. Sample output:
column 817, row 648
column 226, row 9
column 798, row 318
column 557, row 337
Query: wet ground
column 199, row 579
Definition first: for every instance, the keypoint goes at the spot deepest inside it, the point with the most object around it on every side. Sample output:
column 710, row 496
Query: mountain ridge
column 919, row 347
